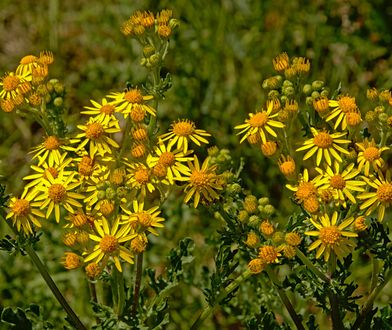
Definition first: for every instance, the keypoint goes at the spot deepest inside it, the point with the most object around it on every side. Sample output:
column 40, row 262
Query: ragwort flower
column 132, row 99
column 326, row 145
column 332, row 237
column 24, row 213
column 260, row 123
column 103, row 111
column 109, row 243
column 380, row 199
column 341, row 108
column 370, row 155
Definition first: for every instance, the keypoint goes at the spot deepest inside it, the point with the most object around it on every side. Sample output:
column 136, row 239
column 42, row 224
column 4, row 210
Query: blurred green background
column 218, row 59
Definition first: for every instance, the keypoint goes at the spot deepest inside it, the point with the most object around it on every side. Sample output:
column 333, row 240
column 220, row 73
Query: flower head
column 103, row 112
column 341, row 108
column 126, row 102
column 332, row 236
column 326, row 145
column 260, row 123
column 370, row 156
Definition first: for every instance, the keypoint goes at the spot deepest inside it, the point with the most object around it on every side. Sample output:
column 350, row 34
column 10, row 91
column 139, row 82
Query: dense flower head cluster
column 339, row 164
column 104, row 182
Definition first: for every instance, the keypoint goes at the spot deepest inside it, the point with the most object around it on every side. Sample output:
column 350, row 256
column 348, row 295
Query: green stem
column 367, row 307
column 309, row 264
column 119, row 280
column 375, row 270
column 94, row 298
column 49, row 281
column 226, row 291
column 285, row 299
column 138, row 279
column 337, row 323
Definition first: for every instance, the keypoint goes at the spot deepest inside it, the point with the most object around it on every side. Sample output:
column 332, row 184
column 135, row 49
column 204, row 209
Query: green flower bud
column 269, row 210
column 101, row 195
column 47, row 98
column 307, row 89
column 148, row 50
column 317, row 85
column 289, row 91
column 243, row 216
column 254, row 220
column 383, row 117
column 315, row 95
column 154, row 59
column 324, row 92
column 58, row 101
column 287, row 83
column 370, row 116
column 273, row 93
column 110, row 193
column 121, row 192
column 379, row 109
column 234, row 188
column 283, row 99
column 263, row 201
column 58, row 88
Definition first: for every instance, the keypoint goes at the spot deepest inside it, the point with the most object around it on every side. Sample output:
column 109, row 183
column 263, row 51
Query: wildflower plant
column 105, row 184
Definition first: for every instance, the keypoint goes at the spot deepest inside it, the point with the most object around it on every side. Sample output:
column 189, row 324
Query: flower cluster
column 339, row 166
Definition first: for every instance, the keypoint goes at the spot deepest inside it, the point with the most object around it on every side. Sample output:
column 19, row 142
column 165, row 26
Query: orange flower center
column 347, row 104
column 337, row 182
column 167, row 158
column 52, row 143
column 199, row 178
column 107, row 109
column 384, row 192
column 323, row 140
column 159, row 170
column 145, row 219
column 21, row 207
column 53, row 172
column 134, row 96
column 353, row 118
column 108, row 244
column 140, row 134
column 10, row 83
column 86, row 166
column 371, row 154
column 268, row 254
column 305, row 190
column 79, row 219
column 259, row 119
column 28, row 59
column 57, row 192
column 330, row 235
column 288, row 167
column 94, row 131
column 183, row 128
column 142, row 176
column 72, row 260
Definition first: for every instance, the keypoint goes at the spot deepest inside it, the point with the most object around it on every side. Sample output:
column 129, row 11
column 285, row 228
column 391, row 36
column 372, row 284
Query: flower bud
column 317, row 85
column 307, row 89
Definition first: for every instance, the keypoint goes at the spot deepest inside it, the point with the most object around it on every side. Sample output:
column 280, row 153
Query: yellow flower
column 109, row 243
column 143, row 220
column 202, row 182
column 324, row 144
column 140, row 178
column 52, row 150
column 260, row 123
column 341, row 107
column 381, row 198
column 24, row 213
column 370, row 155
column 13, row 85
column 269, row 254
column 131, row 99
column 55, row 192
column 171, row 160
column 332, row 238
column 96, row 133
column 305, row 189
column 103, row 112
column 181, row 132
column 52, row 167
column 340, row 184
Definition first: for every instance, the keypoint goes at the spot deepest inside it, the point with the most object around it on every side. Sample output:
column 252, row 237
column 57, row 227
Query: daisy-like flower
column 140, row 178
column 27, row 64
column 110, row 243
column 341, row 107
column 56, row 192
column 379, row 199
column 13, row 85
column 132, row 99
column 182, row 132
column 332, row 237
column 143, row 220
column 24, row 212
column 170, row 160
column 95, row 134
column 260, row 123
column 340, row 183
column 305, row 188
column 203, row 182
column 103, row 112
column 370, row 155
column 90, row 169
column 51, row 166
column 326, row 145
column 51, row 150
